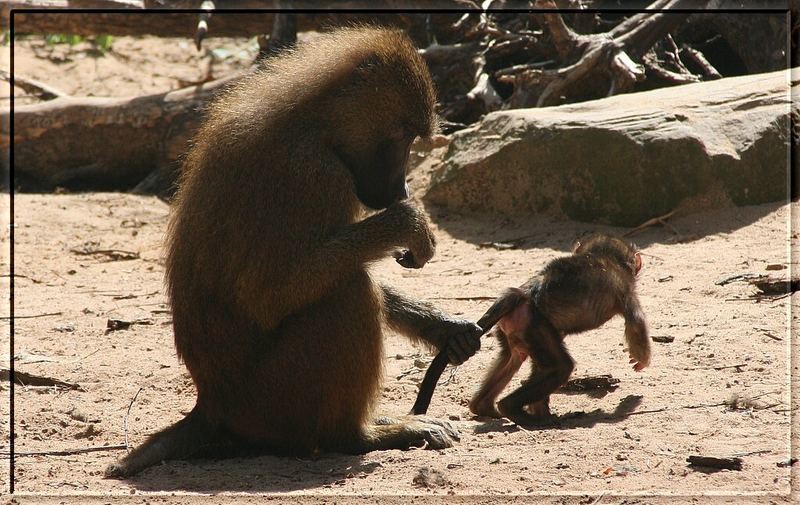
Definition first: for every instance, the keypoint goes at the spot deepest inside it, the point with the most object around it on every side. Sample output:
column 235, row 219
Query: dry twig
column 46, row 314
column 66, row 452
column 26, row 379
column 40, row 89
column 128, row 413
column 651, row 222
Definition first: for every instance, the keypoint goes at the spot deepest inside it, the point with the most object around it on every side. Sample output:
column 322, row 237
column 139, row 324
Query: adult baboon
column 274, row 311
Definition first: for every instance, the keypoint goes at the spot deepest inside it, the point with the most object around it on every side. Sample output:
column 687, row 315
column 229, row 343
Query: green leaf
column 103, row 42
column 60, row 38
column 55, row 38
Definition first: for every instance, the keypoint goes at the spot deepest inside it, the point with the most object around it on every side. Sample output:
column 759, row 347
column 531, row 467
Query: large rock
column 627, row 158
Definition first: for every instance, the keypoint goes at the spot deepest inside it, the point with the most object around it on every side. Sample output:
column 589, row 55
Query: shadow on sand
column 571, row 420
column 542, row 231
column 257, row 474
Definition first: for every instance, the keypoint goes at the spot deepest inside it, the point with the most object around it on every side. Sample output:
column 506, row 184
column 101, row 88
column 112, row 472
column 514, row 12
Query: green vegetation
column 60, row 38
column 101, row 43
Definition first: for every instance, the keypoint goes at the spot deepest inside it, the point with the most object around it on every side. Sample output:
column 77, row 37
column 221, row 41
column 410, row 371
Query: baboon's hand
column 417, row 237
column 406, row 259
column 460, row 338
column 639, row 365
column 640, row 356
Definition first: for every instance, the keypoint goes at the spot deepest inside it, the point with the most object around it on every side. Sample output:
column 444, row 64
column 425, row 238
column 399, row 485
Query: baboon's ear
column 575, row 246
column 638, row 263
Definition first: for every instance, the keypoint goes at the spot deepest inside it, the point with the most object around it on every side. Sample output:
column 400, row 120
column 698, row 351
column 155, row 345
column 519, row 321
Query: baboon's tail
column 191, row 436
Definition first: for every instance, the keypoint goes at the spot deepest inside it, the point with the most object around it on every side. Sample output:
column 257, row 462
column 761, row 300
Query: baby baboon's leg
column 553, row 366
column 503, row 369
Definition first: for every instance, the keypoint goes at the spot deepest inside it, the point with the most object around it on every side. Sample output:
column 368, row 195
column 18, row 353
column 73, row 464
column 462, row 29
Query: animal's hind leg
column 191, row 436
column 553, row 366
column 503, row 369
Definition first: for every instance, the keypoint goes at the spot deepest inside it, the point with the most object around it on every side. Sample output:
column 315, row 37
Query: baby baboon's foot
column 484, row 409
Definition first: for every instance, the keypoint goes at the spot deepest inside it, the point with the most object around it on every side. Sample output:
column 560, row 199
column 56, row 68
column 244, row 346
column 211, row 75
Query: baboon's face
column 380, row 178
column 381, row 109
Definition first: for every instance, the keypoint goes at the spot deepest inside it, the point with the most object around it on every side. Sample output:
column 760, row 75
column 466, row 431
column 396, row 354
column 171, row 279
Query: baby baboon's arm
column 636, row 335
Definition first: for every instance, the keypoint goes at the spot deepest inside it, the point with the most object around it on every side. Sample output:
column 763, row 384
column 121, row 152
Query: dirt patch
column 634, row 439
column 133, row 65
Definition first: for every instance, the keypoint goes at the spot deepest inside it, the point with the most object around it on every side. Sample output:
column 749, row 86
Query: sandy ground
column 721, row 388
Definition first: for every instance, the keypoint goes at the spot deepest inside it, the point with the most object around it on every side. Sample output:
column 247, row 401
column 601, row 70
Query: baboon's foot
column 484, row 409
column 406, row 432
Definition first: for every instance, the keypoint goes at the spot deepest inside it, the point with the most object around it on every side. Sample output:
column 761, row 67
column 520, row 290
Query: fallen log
column 101, row 142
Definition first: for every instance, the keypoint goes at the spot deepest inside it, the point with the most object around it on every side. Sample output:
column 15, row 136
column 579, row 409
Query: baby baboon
column 275, row 314
column 570, row 295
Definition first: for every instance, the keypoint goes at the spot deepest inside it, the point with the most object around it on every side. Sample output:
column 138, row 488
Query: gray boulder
column 625, row 159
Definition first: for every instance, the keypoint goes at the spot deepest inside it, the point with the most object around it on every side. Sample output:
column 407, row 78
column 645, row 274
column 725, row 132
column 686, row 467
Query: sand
column 720, row 388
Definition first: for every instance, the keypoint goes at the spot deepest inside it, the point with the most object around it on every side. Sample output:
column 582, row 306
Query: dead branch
column 32, row 86
column 202, row 23
column 650, row 222
column 26, row 379
column 727, row 279
column 664, row 409
column 67, row 452
column 112, row 254
column 656, row 26
column 564, row 39
column 46, row 314
column 668, row 77
column 609, row 55
column 121, row 324
column 634, row 21
column 663, row 339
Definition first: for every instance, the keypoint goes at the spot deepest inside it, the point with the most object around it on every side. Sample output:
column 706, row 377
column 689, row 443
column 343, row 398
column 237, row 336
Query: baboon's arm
column 281, row 290
column 636, row 335
column 420, row 320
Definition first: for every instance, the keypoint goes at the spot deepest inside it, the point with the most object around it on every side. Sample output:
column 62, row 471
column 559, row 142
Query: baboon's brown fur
column 570, row 295
column 275, row 314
